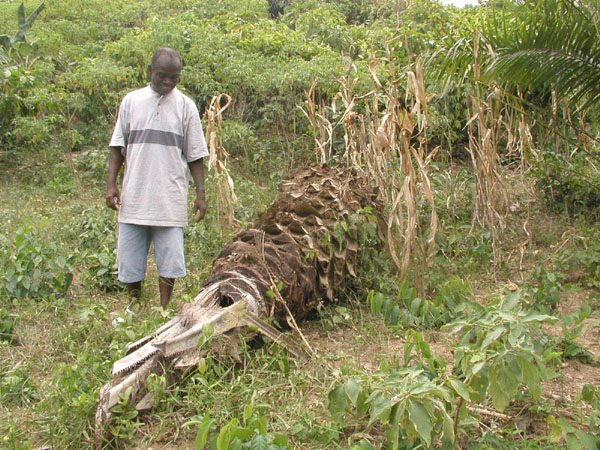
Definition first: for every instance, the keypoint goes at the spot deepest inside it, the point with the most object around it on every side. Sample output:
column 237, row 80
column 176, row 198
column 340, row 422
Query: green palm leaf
column 555, row 44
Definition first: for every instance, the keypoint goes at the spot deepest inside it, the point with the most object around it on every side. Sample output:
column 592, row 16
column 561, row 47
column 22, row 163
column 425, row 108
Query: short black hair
column 165, row 51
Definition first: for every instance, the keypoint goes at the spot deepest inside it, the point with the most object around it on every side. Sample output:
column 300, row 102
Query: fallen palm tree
column 292, row 259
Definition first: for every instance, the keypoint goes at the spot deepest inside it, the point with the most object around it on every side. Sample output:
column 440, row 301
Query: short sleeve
column 194, row 143
column 118, row 136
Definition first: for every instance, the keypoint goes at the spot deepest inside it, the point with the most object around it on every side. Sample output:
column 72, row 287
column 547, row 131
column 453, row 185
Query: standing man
column 158, row 136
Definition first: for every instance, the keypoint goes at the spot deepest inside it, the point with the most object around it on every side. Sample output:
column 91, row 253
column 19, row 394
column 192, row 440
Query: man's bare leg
column 165, row 287
column 134, row 290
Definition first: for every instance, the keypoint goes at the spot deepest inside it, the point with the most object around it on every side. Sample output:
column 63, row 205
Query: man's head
column 165, row 69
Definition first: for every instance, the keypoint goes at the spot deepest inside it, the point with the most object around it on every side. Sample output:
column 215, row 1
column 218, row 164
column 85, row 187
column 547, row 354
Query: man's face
column 165, row 74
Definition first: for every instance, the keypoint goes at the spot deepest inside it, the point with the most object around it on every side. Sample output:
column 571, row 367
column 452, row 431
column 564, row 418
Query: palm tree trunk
column 283, row 267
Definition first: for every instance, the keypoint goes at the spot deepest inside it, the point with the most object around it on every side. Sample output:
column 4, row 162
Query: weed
column 590, row 394
column 251, row 432
column 545, row 295
column 406, row 309
column 95, row 233
column 125, row 422
column 569, row 183
column 499, row 350
column 572, row 326
column 467, row 248
column 16, row 386
column 581, row 261
column 410, row 405
column 92, row 164
column 62, row 181
column 417, row 353
column 562, row 431
column 31, row 269
column 7, row 327
column 333, row 317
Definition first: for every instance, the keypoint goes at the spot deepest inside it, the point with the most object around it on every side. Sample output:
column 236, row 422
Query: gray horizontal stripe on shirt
column 155, row 137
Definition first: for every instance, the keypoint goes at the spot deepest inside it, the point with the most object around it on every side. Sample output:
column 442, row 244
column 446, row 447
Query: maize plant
column 285, row 265
column 24, row 24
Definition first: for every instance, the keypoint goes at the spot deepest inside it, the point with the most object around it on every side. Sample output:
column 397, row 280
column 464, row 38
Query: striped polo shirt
column 160, row 135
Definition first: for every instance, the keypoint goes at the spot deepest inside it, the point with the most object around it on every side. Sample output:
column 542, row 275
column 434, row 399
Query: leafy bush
column 545, row 295
column 73, row 398
column 413, row 402
column 61, row 180
column 466, row 248
column 565, row 345
column 30, row 269
column 409, row 404
column 580, row 262
column 499, row 350
column 18, row 83
column 92, row 164
column 570, row 183
column 240, row 139
column 405, row 309
column 96, row 235
column 251, row 433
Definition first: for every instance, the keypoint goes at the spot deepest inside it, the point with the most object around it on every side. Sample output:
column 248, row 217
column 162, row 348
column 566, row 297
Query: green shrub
column 414, row 409
column 251, row 432
column 240, row 139
column 572, row 326
column 92, row 164
column 570, row 183
column 581, row 261
column 499, row 350
column 545, row 295
column 32, row 269
column 95, row 233
column 29, row 113
column 73, row 400
column 404, row 308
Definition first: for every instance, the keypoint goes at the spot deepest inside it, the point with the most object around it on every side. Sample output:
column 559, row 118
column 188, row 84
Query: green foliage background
column 65, row 89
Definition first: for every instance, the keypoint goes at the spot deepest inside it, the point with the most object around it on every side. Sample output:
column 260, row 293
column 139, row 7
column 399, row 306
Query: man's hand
column 199, row 207
column 113, row 199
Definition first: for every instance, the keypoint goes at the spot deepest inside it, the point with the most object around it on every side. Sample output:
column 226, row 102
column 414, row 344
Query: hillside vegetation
column 477, row 327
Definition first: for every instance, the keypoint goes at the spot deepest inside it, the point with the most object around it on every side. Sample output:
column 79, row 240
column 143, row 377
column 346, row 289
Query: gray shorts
column 134, row 245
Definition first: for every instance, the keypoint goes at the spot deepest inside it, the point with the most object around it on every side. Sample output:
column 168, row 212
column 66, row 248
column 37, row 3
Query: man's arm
column 197, row 171
column 115, row 162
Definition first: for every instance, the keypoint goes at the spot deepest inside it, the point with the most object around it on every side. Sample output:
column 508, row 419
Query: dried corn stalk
column 378, row 129
column 217, row 162
column 283, row 267
column 485, row 133
column 320, row 124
